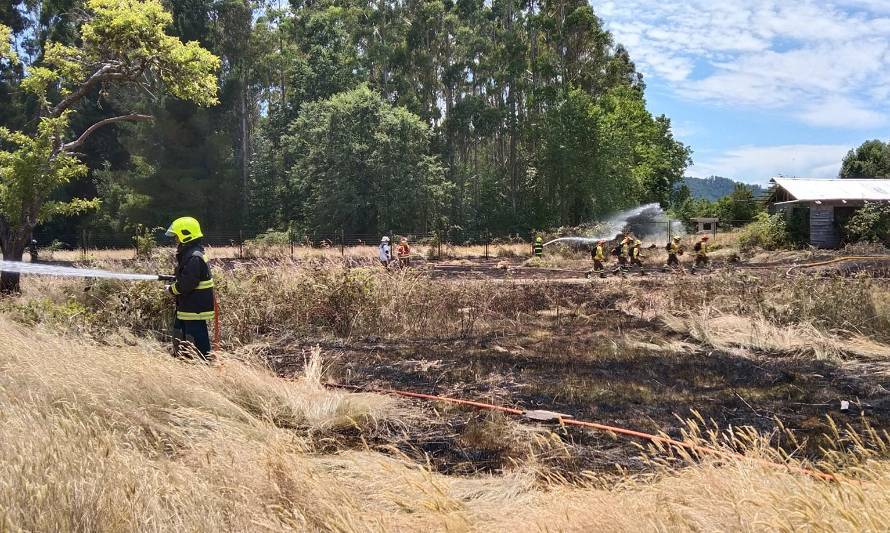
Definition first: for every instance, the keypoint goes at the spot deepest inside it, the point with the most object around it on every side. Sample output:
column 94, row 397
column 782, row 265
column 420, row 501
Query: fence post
column 291, row 239
column 83, row 244
column 487, row 240
column 240, row 244
column 342, row 243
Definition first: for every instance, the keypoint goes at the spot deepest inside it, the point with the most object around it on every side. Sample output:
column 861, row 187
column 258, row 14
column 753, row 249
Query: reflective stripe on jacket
column 194, row 284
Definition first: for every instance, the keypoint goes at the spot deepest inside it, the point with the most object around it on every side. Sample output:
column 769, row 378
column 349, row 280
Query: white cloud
column 841, row 113
column 757, row 164
column 815, row 60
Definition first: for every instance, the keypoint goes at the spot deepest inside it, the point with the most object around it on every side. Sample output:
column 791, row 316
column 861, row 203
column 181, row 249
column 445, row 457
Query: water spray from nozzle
column 647, row 222
column 71, row 272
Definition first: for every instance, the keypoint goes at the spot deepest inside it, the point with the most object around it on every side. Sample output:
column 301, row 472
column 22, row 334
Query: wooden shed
column 705, row 224
column 826, row 204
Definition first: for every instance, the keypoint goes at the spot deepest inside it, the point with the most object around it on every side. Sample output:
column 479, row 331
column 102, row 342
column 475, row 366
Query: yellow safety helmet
column 186, row 229
column 539, row 239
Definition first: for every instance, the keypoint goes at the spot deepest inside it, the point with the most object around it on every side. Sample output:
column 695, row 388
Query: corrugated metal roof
column 806, row 189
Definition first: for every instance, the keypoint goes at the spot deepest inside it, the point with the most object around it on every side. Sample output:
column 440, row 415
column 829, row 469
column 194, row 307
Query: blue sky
column 760, row 88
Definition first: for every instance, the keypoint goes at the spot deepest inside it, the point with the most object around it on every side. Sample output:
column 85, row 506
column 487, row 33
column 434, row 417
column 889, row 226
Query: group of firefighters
column 403, row 253
column 628, row 252
column 193, row 283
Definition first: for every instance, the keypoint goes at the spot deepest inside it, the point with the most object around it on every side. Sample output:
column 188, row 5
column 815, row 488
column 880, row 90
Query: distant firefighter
column 403, row 252
column 701, row 253
column 384, row 252
column 538, row 247
column 598, row 254
column 674, row 250
column 32, row 251
column 636, row 255
column 622, row 252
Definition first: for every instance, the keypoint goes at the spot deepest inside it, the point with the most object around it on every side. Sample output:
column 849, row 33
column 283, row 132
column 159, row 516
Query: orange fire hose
column 601, row 427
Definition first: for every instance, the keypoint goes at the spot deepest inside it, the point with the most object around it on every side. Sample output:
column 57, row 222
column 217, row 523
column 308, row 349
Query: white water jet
column 70, row 272
column 583, row 240
column 647, row 222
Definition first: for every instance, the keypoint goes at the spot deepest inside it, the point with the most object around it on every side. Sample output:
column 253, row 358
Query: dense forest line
column 365, row 116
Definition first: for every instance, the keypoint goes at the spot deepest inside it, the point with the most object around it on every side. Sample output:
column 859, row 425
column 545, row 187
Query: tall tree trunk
column 13, row 244
column 245, row 153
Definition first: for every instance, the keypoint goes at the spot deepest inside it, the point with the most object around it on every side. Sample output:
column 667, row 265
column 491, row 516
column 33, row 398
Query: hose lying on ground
column 563, row 420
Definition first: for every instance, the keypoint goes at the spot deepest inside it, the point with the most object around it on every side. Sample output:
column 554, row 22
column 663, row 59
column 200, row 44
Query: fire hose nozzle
column 164, row 277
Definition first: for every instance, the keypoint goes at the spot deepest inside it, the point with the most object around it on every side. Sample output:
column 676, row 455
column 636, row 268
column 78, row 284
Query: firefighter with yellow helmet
column 193, row 287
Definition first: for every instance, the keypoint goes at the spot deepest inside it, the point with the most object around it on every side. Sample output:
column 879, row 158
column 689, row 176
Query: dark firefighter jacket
column 194, row 284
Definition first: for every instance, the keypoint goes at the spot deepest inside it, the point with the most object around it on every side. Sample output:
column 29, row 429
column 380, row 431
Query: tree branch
column 133, row 117
column 106, row 72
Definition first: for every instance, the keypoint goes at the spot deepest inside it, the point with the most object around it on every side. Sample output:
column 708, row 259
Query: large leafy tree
column 362, row 165
column 123, row 47
column 870, row 160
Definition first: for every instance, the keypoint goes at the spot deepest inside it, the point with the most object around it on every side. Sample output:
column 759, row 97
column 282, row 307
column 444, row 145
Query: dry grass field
column 102, row 430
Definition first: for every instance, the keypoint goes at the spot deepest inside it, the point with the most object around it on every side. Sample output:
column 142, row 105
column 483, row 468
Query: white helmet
column 385, row 239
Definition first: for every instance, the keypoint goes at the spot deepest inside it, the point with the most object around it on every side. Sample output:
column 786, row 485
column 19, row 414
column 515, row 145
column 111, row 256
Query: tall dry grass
column 282, row 298
column 95, row 438
column 829, row 318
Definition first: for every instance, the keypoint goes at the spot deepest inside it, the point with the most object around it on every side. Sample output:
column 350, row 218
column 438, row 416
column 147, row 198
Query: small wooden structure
column 825, row 204
column 706, row 224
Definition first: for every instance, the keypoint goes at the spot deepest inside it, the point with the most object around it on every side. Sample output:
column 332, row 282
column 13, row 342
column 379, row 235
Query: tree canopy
column 870, row 160
column 121, row 49
column 498, row 116
column 362, row 165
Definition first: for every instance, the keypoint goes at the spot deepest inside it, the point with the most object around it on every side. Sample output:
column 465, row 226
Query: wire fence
column 245, row 244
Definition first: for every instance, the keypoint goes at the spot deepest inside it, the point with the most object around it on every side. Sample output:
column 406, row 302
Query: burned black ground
column 584, row 368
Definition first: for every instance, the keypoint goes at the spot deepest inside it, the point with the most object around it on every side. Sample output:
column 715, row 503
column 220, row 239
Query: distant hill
column 715, row 187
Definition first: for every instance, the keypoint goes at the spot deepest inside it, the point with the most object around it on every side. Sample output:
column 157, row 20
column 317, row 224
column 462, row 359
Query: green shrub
column 263, row 244
column 869, row 224
column 144, row 241
column 272, row 238
column 769, row 232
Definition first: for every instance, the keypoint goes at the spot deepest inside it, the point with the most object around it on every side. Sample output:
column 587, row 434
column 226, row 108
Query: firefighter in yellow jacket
column 622, row 252
column 538, row 247
column 674, row 251
column 193, row 287
column 598, row 254
column 636, row 255
column 701, row 253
